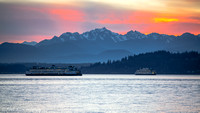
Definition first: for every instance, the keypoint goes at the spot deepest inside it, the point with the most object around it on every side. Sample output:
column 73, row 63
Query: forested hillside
column 162, row 61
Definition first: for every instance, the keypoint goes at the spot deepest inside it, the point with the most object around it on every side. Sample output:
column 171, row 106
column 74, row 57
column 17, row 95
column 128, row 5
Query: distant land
column 98, row 45
column 162, row 62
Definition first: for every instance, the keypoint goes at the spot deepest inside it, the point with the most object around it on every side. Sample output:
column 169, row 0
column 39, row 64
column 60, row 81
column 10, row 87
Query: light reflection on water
column 99, row 93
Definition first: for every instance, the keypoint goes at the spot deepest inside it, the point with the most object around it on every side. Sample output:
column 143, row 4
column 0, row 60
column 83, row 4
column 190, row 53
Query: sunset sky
column 35, row 20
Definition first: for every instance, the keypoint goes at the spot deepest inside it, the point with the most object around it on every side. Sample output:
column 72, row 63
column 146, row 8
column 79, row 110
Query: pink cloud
column 130, row 17
column 67, row 14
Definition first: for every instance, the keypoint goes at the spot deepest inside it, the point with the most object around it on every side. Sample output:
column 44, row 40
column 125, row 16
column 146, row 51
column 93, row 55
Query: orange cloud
column 68, row 14
column 158, row 20
column 135, row 17
column 109, row 21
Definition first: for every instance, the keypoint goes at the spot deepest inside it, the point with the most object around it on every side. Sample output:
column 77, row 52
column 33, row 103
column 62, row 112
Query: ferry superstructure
column 145, row 71
column 53, row 71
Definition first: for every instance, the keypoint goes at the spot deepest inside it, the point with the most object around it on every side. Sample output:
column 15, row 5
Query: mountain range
column 96, row 45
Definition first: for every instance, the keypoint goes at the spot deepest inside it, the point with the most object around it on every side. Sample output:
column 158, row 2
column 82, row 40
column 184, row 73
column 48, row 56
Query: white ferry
column 145, row 71
column 53, row 71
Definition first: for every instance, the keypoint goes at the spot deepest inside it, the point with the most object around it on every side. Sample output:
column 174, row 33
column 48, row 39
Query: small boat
column 53, row 71
column 145, row 71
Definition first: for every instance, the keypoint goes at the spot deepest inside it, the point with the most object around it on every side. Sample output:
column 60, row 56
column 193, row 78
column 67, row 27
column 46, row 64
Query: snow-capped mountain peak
column 106, row 35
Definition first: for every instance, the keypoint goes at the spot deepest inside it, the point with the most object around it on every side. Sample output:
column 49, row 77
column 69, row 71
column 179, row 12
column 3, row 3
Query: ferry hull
column 53, row 74
column 145, row 74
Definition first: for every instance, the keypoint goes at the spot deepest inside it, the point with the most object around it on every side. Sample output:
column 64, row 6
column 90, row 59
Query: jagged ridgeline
column 94, row 46
column 161, row 61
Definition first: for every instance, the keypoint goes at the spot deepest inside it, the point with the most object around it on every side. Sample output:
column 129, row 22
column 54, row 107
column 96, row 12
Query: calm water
column 100, row 93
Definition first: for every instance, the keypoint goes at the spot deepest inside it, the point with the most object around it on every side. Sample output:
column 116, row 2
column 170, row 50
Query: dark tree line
column 162, row 61
column 12, row 68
